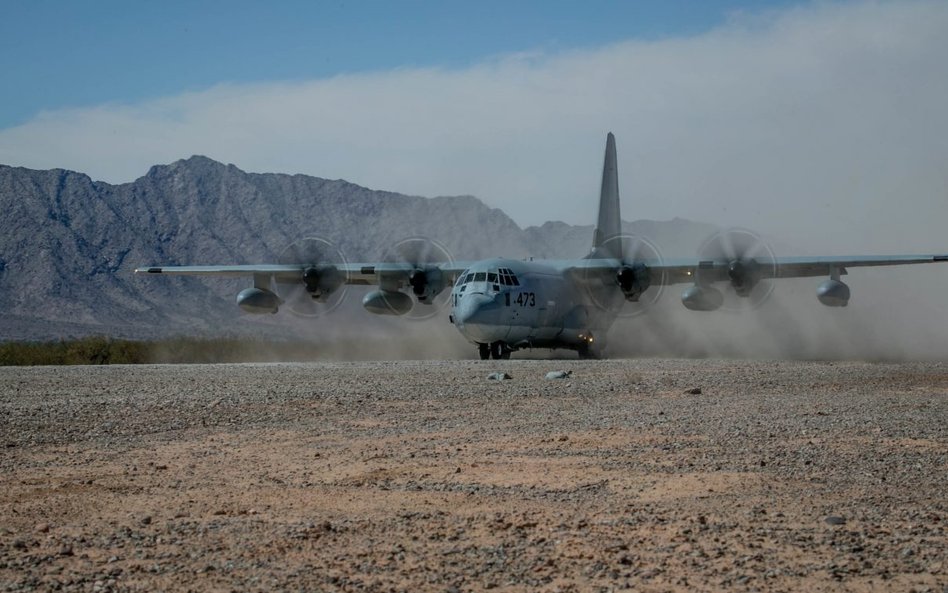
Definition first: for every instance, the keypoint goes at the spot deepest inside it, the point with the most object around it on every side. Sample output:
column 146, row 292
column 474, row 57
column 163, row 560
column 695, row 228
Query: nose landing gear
column 495, row 350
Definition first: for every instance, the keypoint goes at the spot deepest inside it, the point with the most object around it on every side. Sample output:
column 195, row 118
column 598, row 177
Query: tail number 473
column 523, row 299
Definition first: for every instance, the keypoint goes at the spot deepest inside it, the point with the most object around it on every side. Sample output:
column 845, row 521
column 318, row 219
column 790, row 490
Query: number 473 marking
column 524, row 299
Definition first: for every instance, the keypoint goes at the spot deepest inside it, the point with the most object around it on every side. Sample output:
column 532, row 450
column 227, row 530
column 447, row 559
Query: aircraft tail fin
column 609, row 223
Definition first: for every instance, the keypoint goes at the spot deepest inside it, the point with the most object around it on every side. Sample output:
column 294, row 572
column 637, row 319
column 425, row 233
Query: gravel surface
column 649, row 475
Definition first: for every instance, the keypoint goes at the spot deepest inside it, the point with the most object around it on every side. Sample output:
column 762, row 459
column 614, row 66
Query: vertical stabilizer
column 609, row 224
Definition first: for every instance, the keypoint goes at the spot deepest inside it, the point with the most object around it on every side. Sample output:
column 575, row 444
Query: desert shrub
column 98, row 350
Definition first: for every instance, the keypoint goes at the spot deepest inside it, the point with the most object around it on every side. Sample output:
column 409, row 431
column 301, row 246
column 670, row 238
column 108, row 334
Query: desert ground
column 643, row 475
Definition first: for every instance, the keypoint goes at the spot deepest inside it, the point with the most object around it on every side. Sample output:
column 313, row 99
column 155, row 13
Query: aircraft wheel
column 497, row 351
column 484, row 351
column 587, row 352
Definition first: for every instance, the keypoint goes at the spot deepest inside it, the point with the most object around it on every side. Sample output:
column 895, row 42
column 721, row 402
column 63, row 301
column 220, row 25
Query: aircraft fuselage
column 521, row 304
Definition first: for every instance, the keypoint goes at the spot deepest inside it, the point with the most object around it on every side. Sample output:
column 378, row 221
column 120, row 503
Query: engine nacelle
column 744, row 276
column 387, row 302
column 426, row 284
column 258, row 301
column 833, row 293
column 702, row 298
column 322, row 281
column 633, row 280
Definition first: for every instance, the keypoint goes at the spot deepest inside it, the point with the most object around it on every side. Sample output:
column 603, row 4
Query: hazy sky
column 826, row 119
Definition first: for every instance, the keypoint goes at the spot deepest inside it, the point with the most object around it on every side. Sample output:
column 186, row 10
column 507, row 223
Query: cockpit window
column 502, row 276
column 508, row 278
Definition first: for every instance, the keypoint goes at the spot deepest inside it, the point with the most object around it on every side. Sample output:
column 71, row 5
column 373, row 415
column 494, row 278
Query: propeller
column 426, row 283
column 634, row 278
column 749, row 262
column 321, row 285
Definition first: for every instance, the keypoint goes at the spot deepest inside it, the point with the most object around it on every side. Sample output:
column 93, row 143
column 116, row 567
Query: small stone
column 42, row 528
column 559, row 374
column 498, row 377
column 835, row 520
column 694, row 391
column 146, row 520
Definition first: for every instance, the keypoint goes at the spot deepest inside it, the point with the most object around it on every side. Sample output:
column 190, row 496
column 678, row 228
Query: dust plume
column 895, row 314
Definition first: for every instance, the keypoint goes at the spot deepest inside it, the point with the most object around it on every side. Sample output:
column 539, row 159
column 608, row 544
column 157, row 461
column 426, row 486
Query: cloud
column 825, row 123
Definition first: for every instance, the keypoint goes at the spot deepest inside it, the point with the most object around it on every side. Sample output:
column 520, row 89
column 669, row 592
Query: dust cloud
column 346, row 333
column 894, row 314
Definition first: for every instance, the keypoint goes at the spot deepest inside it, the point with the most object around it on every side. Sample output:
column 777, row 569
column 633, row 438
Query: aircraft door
column 544, row 325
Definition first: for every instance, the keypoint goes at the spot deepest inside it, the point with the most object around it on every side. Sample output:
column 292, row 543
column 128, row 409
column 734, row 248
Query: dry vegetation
column 98, row 350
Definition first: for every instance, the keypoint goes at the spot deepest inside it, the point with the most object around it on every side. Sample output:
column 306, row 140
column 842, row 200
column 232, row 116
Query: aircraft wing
column 667, row 272
column 686, row 270
column 680, row 272
column 351, row 273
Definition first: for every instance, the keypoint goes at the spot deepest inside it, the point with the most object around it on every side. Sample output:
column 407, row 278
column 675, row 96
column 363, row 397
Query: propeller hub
column 319, row 287
column 419, row 260
column 311, row 280
column 419, row 281
column 744, row 275
column 744, row 260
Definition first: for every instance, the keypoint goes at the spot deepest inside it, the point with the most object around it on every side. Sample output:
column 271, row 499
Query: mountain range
column 70, row 244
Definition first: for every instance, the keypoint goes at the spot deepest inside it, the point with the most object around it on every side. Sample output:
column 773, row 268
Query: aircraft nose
column 478, row 316
column 472, row 309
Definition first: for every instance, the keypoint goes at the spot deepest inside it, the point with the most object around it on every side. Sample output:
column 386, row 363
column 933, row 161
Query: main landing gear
column 495, row 350
column 589, row 352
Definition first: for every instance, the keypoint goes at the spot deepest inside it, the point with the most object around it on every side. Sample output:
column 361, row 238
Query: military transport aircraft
column 503, row 305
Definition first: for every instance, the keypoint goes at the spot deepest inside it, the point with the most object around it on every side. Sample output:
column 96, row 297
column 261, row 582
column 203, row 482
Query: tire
column 497, row 350
column 587, row 352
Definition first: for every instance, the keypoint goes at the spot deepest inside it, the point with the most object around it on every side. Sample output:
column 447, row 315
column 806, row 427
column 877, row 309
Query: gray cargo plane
column 504, row 305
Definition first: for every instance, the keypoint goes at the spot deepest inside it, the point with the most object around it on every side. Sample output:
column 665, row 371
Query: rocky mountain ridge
column 70, row 243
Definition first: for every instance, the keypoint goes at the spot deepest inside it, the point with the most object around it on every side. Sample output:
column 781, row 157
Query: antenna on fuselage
column 609, row 223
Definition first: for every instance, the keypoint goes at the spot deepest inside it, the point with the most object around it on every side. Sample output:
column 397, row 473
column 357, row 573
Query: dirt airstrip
column 644, row 475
